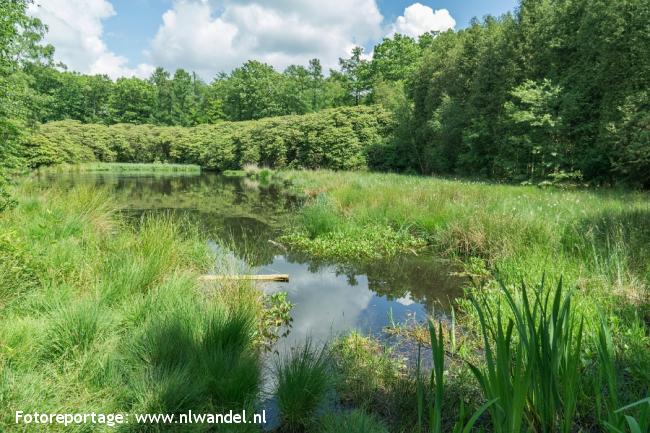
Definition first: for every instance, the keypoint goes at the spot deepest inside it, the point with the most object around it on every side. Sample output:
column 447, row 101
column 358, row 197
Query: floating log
column 281, row 278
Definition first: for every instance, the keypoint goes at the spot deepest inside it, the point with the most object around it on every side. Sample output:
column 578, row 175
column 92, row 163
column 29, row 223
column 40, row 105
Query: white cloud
column 419, row 19
column 210, row 36
column 281, row 33
column 75, row 29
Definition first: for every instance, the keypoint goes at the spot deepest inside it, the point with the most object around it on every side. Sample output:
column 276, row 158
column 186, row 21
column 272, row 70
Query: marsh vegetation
column 464, row 216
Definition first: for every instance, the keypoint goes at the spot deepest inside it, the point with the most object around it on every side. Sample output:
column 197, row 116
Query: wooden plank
column 281, row 278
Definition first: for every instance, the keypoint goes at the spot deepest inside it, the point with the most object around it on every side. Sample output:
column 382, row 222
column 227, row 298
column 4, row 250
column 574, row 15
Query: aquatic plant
column 532, row 355
column 433, row 401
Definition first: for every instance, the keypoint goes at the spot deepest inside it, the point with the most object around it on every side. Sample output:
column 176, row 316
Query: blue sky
column 130, row 37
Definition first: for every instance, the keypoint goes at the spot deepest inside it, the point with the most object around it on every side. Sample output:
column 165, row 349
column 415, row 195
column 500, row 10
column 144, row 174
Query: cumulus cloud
column 211, row 36
column 75, row 29
column 283, row 32
column 419, row 19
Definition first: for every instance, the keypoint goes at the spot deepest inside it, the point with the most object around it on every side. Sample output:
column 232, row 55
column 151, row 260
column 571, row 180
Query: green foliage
column 437, row 386
column 20, row 35
column 535, row 137
column 336, row 138
column 303, row 379
column 558, row 87
column 630, row 135
column 640, row 425
column 131, row 101
column 355, row 243
column 532, row 360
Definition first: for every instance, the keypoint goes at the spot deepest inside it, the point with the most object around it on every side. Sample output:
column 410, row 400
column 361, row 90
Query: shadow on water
column 329, row 298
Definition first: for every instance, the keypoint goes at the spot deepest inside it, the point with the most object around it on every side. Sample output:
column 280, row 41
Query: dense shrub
column 339, row 138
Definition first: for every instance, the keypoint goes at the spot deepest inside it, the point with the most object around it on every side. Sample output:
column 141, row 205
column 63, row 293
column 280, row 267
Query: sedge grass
column 303, row 380
column 104, row 317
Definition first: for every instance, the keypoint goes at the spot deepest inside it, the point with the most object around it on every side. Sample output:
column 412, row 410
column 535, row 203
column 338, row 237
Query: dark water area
column 246, row 218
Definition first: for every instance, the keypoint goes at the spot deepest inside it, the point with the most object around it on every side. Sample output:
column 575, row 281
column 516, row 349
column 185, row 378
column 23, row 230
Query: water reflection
column 329, row 298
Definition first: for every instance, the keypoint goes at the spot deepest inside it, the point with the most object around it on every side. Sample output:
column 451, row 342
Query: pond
column 246, row 218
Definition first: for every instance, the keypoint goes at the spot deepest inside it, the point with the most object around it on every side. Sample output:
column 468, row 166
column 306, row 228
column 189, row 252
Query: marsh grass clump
column 319, row 217
column 354, row 421
column 159, row 247
column 303, row 381
column 73, row 328
column 193, row 355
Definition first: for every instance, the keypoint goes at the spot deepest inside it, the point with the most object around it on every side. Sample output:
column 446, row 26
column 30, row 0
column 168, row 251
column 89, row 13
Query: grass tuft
column 303, row 379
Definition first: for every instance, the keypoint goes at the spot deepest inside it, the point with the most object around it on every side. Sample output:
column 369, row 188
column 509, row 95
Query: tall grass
column 532, row 354
column 303, row 380
column 103, row 317
column 522, row 231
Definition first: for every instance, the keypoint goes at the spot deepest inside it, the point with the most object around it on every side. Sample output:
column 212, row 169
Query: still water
column 246, row 218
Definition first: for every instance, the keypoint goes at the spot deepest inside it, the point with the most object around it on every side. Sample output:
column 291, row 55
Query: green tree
column 184, row 98
column 20, row 37
column 536, row 143
column 355, row 76
column 395, row 58
column 252, row 92
column 163, row 105
column 296, row 90
column 132, row 101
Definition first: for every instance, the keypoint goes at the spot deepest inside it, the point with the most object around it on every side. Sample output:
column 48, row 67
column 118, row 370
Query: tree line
column 252, row 91
column 558, row 90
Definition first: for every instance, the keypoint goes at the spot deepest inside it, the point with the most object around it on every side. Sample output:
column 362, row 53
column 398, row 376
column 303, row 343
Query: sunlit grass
column 98, row 316
column 596, row 239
